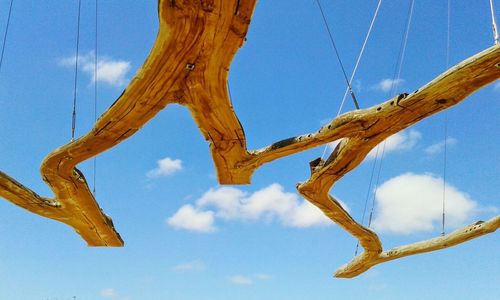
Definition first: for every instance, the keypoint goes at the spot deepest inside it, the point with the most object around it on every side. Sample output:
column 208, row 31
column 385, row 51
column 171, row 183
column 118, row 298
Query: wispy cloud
column 189, row 218
column 229, row 203
column 439, row 146
column 109, row 71
column 108, row 293
column 192, row 266
column 377, row 287
column 263, row 276
column 412, row 203
column 240, row 280
column 386, row 85
column 166, row 166
column 248, row 280
column 403, row 140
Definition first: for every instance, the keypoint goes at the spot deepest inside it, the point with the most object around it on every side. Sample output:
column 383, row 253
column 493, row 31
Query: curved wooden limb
column 189, row 65
column 387, row 119
column 196, row 42
column 446, row 90
column 75, row 207
column 364, row 262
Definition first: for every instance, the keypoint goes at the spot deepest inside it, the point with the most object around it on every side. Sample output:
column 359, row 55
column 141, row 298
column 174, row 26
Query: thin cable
column 95, row 92
column 360, row 55
column 5, row 34
column 338, row 55
column 443, row 216
column 448, row 35
column 358, row 60
column 368, row 192
column 381, row 159
column 444, row 173
column 402, row 50
column 494, row 22
column 73, row 122
column 396, row 78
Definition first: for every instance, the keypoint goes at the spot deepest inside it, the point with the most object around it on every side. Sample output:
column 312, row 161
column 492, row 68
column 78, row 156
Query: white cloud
column 439, row 146
column 387, row 84
column 109, row 293
column 226, row 200
column 268, row 204
column 192, row 266
column 189, row 218
column 109, row 71
column 166, row 166
column 240, row 280
column 403, row 140
column 412, row 203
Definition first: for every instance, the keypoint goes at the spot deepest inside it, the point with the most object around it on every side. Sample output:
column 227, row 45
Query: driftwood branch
column 368, row 259
column 386, row 119
column 189, row 65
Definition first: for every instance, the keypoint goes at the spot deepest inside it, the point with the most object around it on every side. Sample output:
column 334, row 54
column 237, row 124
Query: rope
column 73, row 120
column 358, row 60
column 5, row 34
column 337, row 55
column 494, row 22
column 95, row 93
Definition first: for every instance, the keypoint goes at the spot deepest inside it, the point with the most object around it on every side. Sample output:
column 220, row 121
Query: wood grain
column 189, row 65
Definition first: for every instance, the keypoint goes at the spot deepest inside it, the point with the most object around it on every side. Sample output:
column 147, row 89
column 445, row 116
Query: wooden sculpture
column 189, row 65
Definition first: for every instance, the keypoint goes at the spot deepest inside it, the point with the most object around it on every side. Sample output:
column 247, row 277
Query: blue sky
column 189, row 238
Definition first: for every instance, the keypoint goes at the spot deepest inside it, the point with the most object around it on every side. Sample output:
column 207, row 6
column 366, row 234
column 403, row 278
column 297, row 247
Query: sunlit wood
column 189, row 65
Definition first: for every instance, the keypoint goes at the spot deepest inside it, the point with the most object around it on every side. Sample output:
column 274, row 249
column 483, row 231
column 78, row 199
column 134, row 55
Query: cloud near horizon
column 411, row 203
column 229, row 203
column 109, row 71
column 108, row 293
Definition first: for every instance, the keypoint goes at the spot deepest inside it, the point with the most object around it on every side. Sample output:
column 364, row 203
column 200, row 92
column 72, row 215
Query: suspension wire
column 95, row 93
column 445, row 126
column 443, row 219
column 402, row 50
column 494, row 22
column 338, row 55
column 358, row 60
column 360, row 55
column 448, row 35
column 5, row 34
column 73, row 120
column 368, row 192
column 396, row 78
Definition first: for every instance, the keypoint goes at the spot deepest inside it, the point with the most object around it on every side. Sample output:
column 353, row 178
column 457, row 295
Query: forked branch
column 189, row 65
